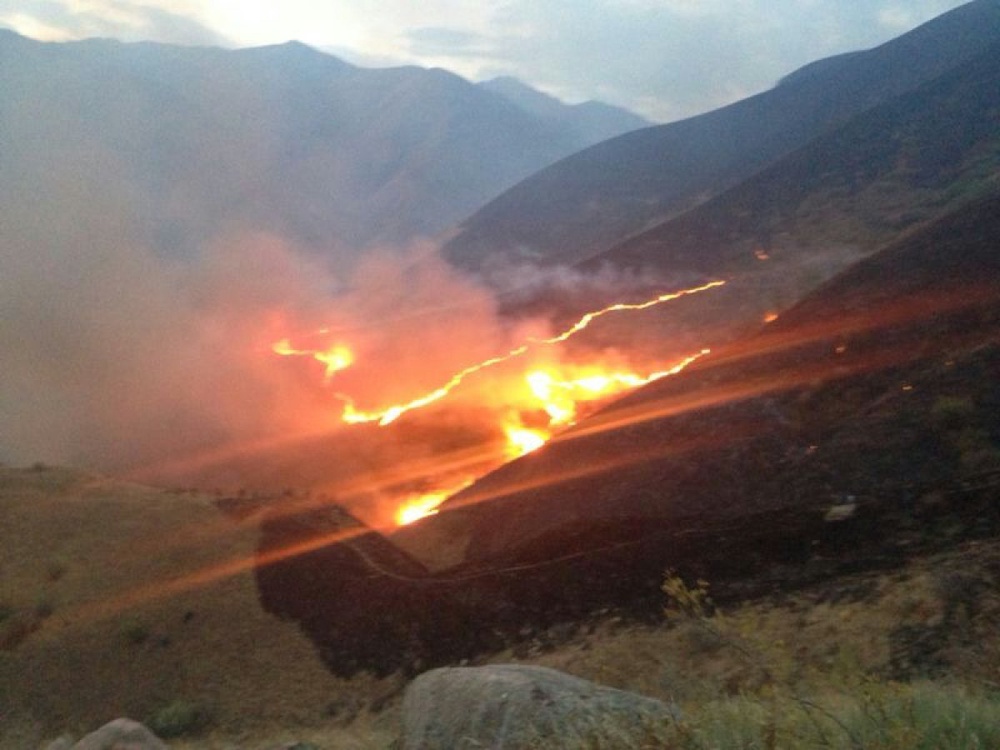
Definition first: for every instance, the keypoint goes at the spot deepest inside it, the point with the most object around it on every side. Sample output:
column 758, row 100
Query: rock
column 514, row 707
column 121, row 734
column 63, row 743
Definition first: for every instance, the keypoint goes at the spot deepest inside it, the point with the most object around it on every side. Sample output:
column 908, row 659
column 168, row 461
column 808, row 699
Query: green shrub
column 133, row 631
column 881, row 715
column 835, row 708
column 177, row 719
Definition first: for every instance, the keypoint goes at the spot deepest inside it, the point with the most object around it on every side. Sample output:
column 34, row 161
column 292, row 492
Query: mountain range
column 196, row 142
column 590, row 201
column 856, row 427
column 825, row 472
column 815, row 211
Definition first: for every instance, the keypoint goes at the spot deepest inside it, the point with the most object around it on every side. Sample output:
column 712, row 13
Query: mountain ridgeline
column 591, row 201
column 195, row 142
column 817, row 210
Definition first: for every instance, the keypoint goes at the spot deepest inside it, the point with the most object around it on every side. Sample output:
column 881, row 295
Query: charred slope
column 765, row 424
column 592, row 200
column 814, row 212
column 903, row 162
column 862, row 426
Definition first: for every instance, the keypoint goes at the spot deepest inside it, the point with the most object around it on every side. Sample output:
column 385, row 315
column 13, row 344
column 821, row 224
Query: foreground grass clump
column 797, row 702
column 178, row 719
column 880, row 716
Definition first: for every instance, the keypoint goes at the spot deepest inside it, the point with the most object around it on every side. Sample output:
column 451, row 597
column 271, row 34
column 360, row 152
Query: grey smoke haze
column 116, row 358
column 112, row 356
column 283, row 139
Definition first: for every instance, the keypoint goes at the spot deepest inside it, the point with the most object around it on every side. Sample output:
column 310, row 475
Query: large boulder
column 514, row 707
column 121, row 734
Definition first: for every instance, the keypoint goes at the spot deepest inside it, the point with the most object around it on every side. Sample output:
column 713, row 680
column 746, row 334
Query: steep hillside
column 285, row 139
column 118, row 599
column 858, row 429
column 903, row 162
column 840, row 396
column 594, row 199
column 815, row 211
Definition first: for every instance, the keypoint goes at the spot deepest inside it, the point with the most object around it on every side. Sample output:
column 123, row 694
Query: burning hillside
column 859, row 427
column 533, row 390
column 402, row 381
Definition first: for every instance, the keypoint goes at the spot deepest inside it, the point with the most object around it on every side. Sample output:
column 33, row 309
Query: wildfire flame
column 420, row 507
column 426, row 504
column 389, row 414
column 334, row 359
column 590, row 317
column 522, row 440
column 554, row 391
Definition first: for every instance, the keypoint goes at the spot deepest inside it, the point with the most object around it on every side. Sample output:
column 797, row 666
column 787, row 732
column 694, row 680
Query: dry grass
column 129, row 632
column 95, row 565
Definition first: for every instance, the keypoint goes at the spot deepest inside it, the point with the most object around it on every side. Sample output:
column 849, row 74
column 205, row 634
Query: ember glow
column 415, row 507
column 334, row 358
column 590, row 317
column 420, row 507
column 530, row 401
column 522, row 440
column 339, row 357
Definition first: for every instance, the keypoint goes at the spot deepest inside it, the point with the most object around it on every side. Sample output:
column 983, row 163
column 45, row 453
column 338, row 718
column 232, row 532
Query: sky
column 665, row 59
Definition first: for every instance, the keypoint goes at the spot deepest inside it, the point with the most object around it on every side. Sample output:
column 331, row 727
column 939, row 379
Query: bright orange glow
column 522, row 440
column 389, row 414
column 420, row 506
column 558, row 395
column 555, row 389
column 334, row 359
column 590, row 317
column 770, row 317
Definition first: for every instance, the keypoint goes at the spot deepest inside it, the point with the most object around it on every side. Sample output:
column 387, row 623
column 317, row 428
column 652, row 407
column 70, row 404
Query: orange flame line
column 590, row 317
column 352, row 415
column 334, row 359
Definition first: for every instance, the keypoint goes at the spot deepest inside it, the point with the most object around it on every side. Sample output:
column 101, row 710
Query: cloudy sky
column 663, row 58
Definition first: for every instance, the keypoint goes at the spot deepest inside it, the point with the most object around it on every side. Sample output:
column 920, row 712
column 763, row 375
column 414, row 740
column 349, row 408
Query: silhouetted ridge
column 591, row 200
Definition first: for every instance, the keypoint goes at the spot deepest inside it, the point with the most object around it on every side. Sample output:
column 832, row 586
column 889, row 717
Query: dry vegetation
column 888, row 659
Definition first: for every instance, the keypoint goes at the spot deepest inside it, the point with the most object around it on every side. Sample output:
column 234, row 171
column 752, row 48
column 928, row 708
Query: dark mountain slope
column 860, row 428
column 905, row 161
column 815, row 211
column 285, row 139
column 588, row 202
column 838, row 393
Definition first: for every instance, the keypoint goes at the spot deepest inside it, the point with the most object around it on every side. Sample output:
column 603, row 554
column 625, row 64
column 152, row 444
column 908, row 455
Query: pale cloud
column 665, row 58
column 35, row 28
column 129, row 20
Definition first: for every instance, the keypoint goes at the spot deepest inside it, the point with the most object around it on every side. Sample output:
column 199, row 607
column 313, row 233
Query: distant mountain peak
column 516, row 89
column 594, row 121
column 300, row 53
